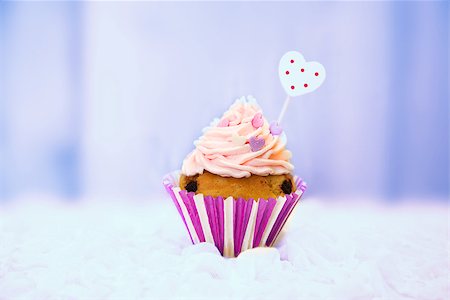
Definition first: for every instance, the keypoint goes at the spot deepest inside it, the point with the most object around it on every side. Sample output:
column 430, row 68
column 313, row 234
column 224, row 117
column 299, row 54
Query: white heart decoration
column 298, row 76
column 238, row 140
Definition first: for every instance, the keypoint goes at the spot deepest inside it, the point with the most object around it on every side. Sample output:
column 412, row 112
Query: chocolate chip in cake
column 286, row 186
column 191, row 186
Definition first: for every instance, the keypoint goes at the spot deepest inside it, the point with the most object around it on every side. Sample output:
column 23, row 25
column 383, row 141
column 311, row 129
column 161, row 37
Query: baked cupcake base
column 232, row 225
column 253, row 187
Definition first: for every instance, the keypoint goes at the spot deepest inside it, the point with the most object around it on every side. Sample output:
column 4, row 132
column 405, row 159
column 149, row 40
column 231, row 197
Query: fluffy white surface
column 117, row 251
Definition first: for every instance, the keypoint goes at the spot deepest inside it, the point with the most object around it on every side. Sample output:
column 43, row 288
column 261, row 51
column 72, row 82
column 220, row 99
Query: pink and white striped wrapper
column 233, row 225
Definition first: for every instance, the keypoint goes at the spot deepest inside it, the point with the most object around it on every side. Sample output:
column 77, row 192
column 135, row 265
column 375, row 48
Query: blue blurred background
column 103, row 99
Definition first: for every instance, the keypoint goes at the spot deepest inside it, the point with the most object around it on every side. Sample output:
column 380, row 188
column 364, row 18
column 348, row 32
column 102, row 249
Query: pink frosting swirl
column 224, row 148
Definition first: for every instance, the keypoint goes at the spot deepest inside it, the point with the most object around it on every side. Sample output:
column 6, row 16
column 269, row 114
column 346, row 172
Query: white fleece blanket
column 98, row 250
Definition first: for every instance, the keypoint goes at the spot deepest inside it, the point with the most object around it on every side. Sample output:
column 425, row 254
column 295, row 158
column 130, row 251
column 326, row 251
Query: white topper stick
column 283, row 110
column 298, row 77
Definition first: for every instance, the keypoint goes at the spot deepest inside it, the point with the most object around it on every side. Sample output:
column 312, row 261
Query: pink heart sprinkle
column 275, row 128
column 256, row 144
column 257, row 120
column 224, row 123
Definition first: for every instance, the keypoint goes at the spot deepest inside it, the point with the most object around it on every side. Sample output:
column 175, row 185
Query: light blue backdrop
column 102, row 99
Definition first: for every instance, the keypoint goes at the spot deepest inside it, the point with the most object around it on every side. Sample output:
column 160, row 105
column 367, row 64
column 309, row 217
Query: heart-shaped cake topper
column 298, row 76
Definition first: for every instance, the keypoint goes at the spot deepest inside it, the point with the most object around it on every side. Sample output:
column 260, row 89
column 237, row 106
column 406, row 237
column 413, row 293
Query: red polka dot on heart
column 317, row 74
column 292, row 87
column 305, row 85
column 287, row 72
column 303, row 70
column 292, row 61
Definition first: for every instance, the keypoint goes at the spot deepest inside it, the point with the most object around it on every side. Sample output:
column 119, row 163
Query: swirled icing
column 218, row 152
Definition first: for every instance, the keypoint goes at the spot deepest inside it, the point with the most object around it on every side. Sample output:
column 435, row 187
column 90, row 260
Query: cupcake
column 236, row 188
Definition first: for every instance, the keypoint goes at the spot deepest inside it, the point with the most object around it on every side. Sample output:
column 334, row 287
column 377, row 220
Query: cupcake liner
column 232, row 225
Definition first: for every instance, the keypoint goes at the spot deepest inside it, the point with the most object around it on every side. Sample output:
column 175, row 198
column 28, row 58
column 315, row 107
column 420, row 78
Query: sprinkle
column 256, row 143
column 238, row 140
column 275, row 128
column 257, row 120
column 224, row 123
